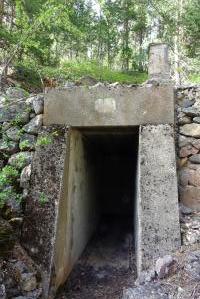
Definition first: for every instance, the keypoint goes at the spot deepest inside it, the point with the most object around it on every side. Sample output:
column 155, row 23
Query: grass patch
column 74, row 70
column 194, row 78
column 29, row 76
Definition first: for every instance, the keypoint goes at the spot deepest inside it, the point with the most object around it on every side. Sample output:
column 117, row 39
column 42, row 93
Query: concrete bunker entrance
column 101, row 193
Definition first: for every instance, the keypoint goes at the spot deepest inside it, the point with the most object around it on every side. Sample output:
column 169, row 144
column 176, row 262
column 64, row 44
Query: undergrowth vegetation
column 76, row 70
column 33, row 77
column 8, row 186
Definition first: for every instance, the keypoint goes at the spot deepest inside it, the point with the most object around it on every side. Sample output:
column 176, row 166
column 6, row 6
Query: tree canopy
column 114, row 33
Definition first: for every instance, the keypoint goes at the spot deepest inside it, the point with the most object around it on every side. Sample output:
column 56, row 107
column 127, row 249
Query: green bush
column 44, row 140
column 20, row 161
column 8, row 177
column 7, row 194
column 24, row 145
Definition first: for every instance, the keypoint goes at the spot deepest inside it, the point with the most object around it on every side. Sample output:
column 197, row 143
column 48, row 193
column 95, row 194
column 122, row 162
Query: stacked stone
column 20, row 122
column 188, row 118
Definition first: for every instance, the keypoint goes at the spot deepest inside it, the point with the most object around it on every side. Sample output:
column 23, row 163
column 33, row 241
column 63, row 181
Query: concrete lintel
column 105, row 106
column 157, row 219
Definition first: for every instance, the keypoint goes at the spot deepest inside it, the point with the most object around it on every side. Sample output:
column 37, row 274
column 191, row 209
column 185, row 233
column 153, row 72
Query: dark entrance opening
column 109, row 160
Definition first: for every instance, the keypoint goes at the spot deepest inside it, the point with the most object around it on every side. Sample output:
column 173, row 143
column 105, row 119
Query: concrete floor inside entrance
column 102, row 177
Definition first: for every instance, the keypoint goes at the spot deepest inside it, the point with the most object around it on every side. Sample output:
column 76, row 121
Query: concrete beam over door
column 109, row 106
column 157, row 220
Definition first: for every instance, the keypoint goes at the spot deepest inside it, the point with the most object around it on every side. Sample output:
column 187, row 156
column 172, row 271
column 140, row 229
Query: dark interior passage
column 107, row 263
column 113, row 157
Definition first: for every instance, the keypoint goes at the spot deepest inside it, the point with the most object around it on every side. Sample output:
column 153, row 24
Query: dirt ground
column 106, row 266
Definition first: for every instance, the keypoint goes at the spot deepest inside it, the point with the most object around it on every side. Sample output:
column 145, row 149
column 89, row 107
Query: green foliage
column 24, row 144
column 20, row 161
column 195, row 78
column 191, row 22
column 7, row 194
column 18, row 121
column 42, row 199
column 28, row 73
column 75, row 70
column 44, row 140
column 8, row 177
column 36, row 36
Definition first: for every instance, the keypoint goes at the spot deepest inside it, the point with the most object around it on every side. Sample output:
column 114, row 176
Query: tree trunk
column 12, row 16
column 125, row 63
column 140, row 51
column 109, row 58
column 1, row 11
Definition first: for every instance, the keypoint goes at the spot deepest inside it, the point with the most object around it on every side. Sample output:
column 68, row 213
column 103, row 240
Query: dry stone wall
column 188, row 146
column 20, row 123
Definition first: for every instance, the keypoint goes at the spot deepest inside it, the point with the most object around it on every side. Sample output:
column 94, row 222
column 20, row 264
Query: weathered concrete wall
column 77, row 209
column 39, row 228
column 158, row 231
column 110, row 106
column 158, row 62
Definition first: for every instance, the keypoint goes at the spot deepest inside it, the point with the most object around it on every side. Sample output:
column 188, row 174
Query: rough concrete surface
column 109, row 106
column 39, row 228
column 158, row 61
column 77, row 212
column 158, row 230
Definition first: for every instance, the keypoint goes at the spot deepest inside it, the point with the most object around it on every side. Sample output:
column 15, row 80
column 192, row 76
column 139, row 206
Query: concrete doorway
column 101, row 196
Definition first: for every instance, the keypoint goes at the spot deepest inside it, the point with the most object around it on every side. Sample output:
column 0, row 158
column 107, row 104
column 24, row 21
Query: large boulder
column 192, row 130
column 185, row 141
column 13, row 133
column 17, row 112
column 34, row 125
column 187, row 150
column 148, row 291
column 16, row 93
column 190, row 197
column 189, row 176
column 196, row 120
column 8, row 146
column 25, row 177
column 163, row 265
column 38, row 104
column 192, row 111
column 195, row 159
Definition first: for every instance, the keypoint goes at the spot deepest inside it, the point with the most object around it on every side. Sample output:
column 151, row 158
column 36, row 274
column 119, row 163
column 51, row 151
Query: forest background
column 106, row 39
